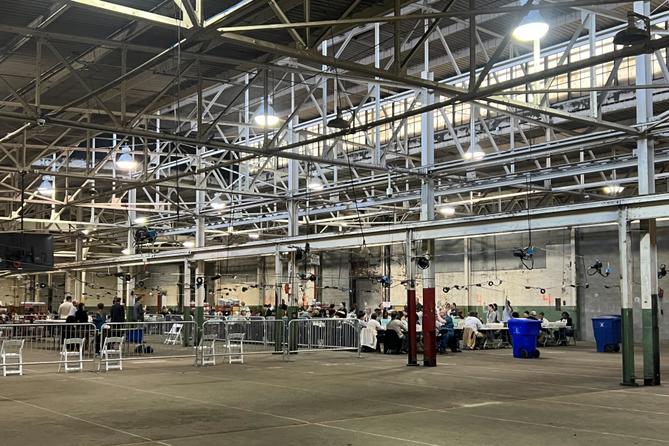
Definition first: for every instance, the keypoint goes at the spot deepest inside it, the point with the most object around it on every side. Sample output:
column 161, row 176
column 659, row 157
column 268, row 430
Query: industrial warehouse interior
column 353, row 222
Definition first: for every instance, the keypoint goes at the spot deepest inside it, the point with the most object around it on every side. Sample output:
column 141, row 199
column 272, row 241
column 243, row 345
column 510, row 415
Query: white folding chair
column 207, row 349
column 174, row 335
column 11, row 353
column 72, row 348
column 112, row 353
column 234, row 345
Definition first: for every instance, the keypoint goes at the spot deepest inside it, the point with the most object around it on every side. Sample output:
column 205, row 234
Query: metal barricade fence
column 239, row 336
column 42, row 342
column 324, row 334
column 146, row 340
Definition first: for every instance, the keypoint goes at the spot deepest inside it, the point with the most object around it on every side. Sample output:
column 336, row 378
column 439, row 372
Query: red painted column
column 411, row 309
column 429, row 328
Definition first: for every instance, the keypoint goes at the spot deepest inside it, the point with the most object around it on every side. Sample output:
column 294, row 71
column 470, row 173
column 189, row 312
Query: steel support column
column 648, row 243
column 427, row 214
column 412, row 359
column 186, row 298
column 130, row 246
column 626, row 252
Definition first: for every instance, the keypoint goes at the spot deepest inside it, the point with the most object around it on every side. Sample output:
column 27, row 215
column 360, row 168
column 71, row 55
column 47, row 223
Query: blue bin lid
column 606, row 317
column 521, row 320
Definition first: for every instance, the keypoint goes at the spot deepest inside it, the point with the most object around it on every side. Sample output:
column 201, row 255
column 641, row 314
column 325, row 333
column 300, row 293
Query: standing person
column 138, row 310
column 117, row 311
column 244, row 309
column 65, row 307
column 81, row 316
column 507, row 313
column 99, row 320
column 491, row 317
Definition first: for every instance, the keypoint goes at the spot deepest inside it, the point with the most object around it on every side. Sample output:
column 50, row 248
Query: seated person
column 473, row 327
column 447, row 332
column 564, row 333
column 395, row 326
column 374, row 323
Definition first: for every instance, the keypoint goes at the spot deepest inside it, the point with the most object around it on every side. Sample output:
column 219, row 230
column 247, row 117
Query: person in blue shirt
column 447, row 332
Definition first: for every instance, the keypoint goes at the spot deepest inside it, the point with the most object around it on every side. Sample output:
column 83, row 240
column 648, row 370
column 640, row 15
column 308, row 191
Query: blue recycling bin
column 608, row 333
column 524, row 334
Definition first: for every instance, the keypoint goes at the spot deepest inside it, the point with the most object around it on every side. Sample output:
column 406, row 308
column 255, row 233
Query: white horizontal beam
column 576, row 215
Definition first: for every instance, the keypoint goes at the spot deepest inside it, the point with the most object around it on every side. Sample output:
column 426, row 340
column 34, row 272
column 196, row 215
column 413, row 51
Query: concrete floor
column 570, row 396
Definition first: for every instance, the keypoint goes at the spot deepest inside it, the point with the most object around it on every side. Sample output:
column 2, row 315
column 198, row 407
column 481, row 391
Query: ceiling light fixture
column 447, row 210
column 254, row 235
column 532, row 27
column 126, row 160
column 632, row 34
column 265, row 117
column 315, row 184
column 613, row 189
column 141, row 220
column 189, row 244
column 46, row 187
column 475, row 153
column 339, row 122
column 217, row 202
column 125, row 251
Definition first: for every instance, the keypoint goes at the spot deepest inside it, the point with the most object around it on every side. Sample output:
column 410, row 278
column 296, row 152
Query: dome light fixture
column 125, row 251
column 632, row 34
column 189, row 244
column 141, row 221
column 613, row 189
column 265, row 117
column 126, row 160
column 46, row 187
column 447, row 210
column 532, row 27
column 315, row 183
column 254, row 235
column 475, row 153
column 339, row 122
column 217, row 202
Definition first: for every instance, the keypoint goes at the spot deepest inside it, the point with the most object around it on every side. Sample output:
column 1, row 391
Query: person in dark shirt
column 138, row 310
column 117, row 311
column 81, row 316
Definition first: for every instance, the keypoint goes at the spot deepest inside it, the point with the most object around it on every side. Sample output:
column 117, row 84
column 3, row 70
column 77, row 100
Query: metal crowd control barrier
column 147, row 340
column 43, row 342
column 238, row 336
column 323, row 334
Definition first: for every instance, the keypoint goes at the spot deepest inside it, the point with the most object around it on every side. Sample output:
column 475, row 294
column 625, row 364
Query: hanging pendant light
column 532, row 27
column 46, row 187
column 339, row 122
column 265, row 116
column 126, row 160
column 632, row 34
column 315, row 183
column 475, row 153
column 613, row 189
column 447, row 210
column 217, row 202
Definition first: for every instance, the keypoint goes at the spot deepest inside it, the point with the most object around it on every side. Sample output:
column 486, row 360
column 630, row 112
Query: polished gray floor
column 570, row 396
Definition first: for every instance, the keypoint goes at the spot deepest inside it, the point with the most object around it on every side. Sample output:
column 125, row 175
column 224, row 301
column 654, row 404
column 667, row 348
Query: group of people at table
column 391, row 328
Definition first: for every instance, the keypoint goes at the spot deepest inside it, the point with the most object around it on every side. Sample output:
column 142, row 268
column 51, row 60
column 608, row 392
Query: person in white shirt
column 507, row 313
column 65, row 308
column 244, row 309
column 374, row 323
column 473, row 327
